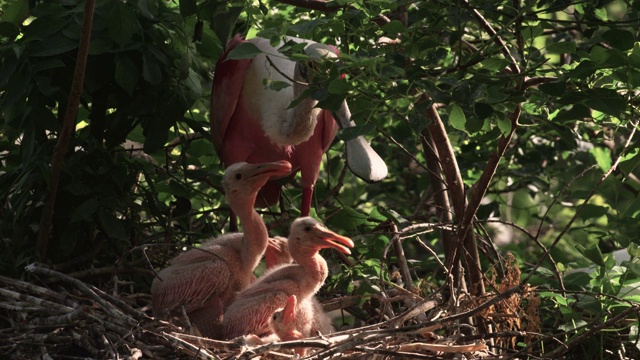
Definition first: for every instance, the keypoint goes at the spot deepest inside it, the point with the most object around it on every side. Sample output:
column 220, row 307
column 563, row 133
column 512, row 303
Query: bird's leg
column 307, row 194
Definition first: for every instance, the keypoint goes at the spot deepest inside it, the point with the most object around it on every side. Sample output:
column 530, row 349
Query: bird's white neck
column 316, row 270
column 300, row 122
column 255, row 238
column 283, row 125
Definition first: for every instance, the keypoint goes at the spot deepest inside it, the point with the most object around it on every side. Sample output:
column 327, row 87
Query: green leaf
column 592, row 211
column 504, row 124
column 331, row 102
column 563, row 47
column 575, row 112
column 347, row 219
column 53, row 46
column 394, row 27
column 127, row 73
column 15, row 12
column 630, row 161
column 556, row 88
column 193, row 82
column 474, row 125
column 246, row 50
column 275, row 85
column 585, row 69
column 602, row 156
column 349, row 133
column 607, row 101
column 593, row 253
column 122, row 23
column 620, row 39
column 338, row 86
column 225, row 21
column 151, row 69
column 376, row 215
column 483, row 110
column 607, row 58
column 9, row 30
column 85, row 210
column 113, row 226
column 457, row 117
column 632, row 298
column 494, row 64
column 531, row 32
column 633, row 210
column 188, row 7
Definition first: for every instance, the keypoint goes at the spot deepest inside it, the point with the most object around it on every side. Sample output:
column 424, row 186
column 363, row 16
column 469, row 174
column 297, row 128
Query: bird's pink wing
column 226, row 88
column 208, row 250
column 251, row 311
column 250, row 315
column 190, row 285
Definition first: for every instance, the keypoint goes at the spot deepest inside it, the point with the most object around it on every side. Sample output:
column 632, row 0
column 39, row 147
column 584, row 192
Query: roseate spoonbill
column 205, row 280
column 277, row 253
column 253, row 307
column 252, row 122
column 300, row 320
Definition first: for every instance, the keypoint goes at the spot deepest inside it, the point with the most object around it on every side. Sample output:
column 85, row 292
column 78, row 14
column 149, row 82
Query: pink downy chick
column 253, row 307
column 300, row 320
column 205, row 280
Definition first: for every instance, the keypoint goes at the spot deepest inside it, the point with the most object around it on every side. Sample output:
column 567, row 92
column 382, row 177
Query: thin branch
column 513, row 65
column 60, row 151
column 328, row 7
column 584, row 203
column 318, row 5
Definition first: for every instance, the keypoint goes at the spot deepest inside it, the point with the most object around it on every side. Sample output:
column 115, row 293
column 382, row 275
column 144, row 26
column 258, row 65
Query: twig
column 36, row 301
column 498, row 40
column 584, row 203
column 108, row 307
column 195, row 350
column 37, row 290
column 402, row 260
column 554, row 354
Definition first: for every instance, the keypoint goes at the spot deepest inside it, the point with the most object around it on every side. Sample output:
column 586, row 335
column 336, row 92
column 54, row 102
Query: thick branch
column 441, row 200
column 480, row 188
column 67, row 129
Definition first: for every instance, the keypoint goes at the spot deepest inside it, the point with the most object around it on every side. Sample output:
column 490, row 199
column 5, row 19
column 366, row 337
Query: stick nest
column 63, row 317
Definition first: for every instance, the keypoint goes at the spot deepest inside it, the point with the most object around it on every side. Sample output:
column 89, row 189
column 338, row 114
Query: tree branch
column 68, row 126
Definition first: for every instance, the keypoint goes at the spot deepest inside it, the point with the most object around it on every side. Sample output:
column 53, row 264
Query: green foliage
column 143, row 74
column 572, row 68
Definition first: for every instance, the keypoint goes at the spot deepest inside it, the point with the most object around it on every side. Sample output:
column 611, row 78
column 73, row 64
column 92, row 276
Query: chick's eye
column 238, row 176
column 307, row 228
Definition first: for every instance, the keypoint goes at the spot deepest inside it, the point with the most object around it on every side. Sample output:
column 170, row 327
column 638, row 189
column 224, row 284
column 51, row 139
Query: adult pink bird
column 252, row 122
column 205, row 280
column 254, row 306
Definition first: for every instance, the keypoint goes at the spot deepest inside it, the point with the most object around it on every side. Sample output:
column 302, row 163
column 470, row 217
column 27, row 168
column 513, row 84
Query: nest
column 67, row 318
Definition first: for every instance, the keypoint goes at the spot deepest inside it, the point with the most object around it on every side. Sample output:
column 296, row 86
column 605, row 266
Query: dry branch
column 68, row 127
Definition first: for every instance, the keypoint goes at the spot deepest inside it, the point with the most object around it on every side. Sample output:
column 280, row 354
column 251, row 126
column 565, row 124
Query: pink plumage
column 253, row 123
column 300, row 320
column 205, row 280
column 254, row 306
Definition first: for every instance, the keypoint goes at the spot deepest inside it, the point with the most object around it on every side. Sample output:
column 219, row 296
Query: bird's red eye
column 238, row 176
